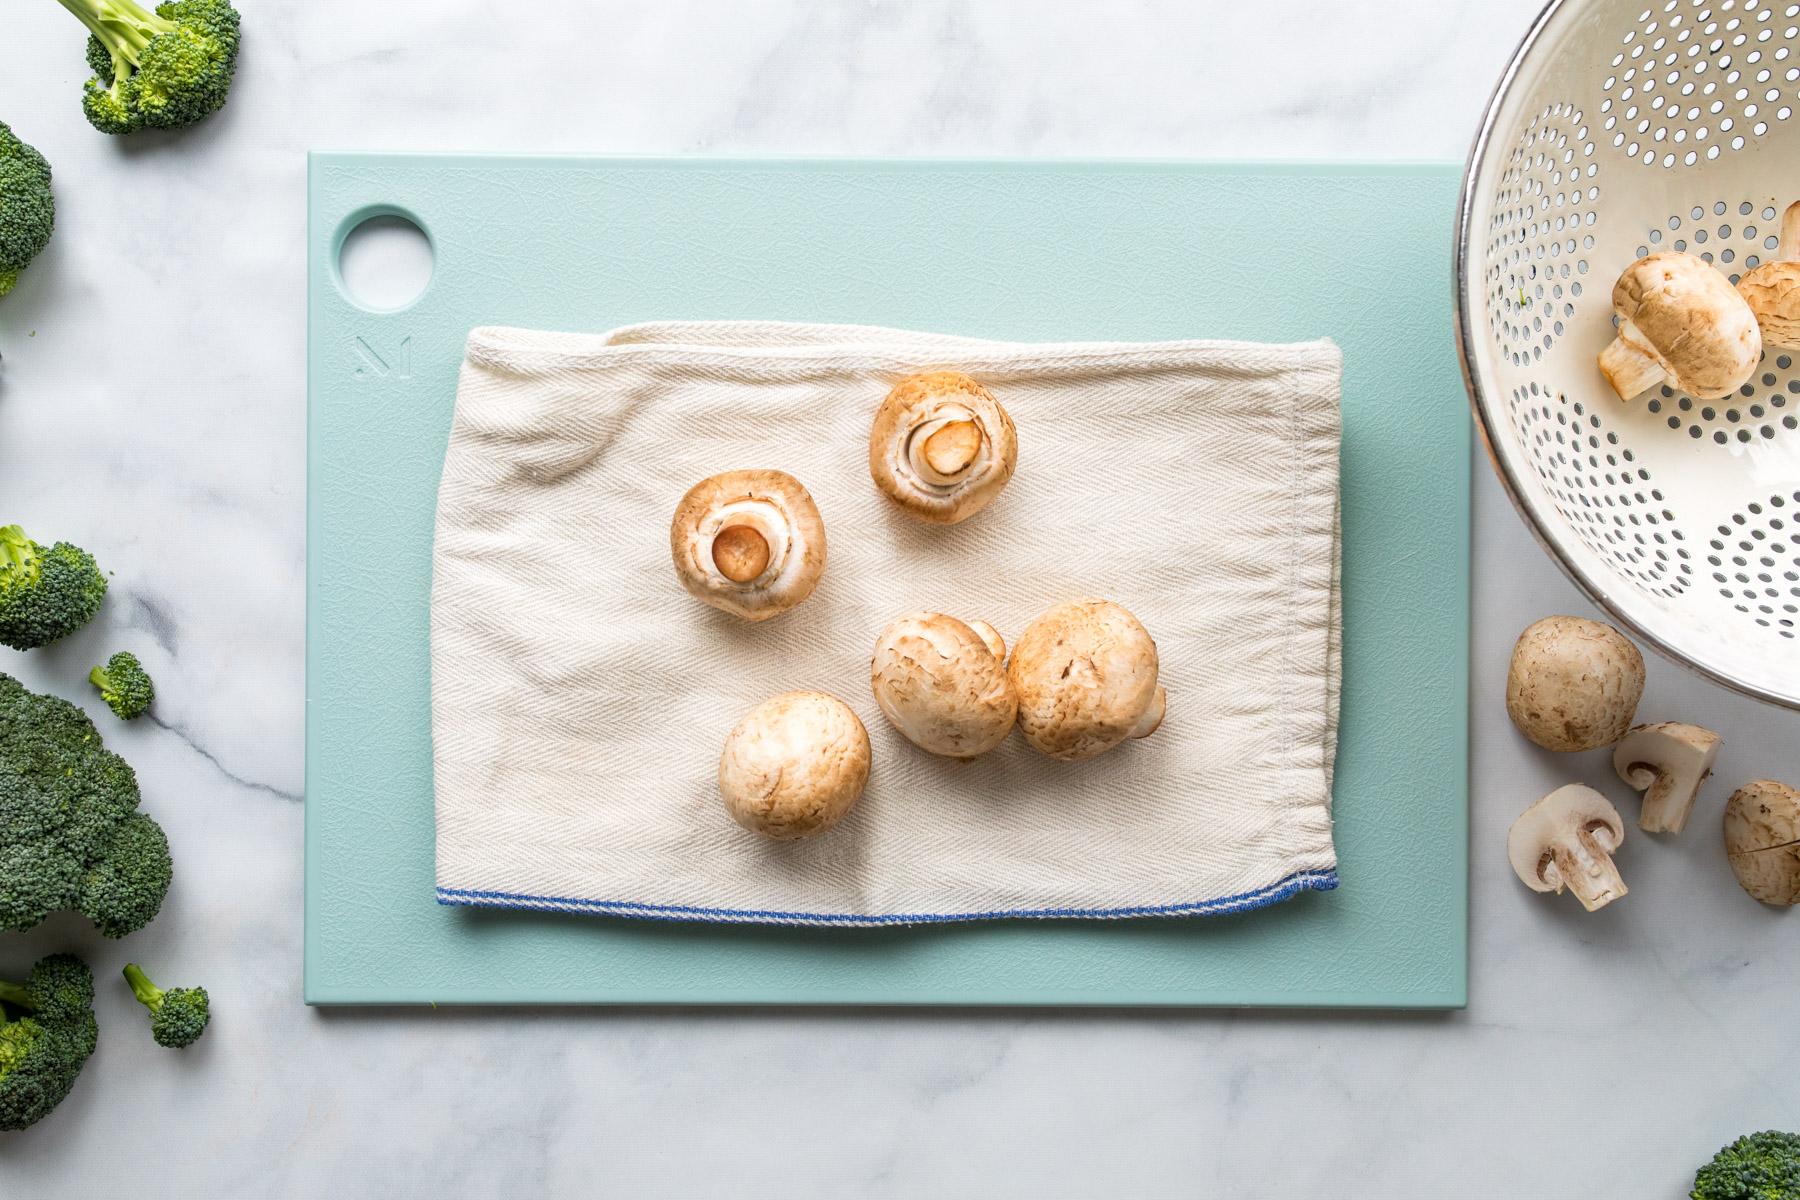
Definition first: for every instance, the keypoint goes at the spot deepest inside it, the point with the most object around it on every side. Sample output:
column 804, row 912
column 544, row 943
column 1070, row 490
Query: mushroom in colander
column 748, row 542
column 1773, row 289
column 941, row 447
column 1681, row 323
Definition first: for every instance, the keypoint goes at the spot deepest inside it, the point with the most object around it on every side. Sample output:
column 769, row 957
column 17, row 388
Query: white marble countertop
column 152, row 406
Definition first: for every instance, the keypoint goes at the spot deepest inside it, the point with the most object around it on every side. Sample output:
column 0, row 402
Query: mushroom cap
column 1086, row 677
column 941, row 685
column 794, row 765
column 1762, row 840
column 1667, row 762
column 1557, row 822
column 1574, row 684
column 1773, row 293
column 1685, row 314
column 748, row 542
column 941, row 447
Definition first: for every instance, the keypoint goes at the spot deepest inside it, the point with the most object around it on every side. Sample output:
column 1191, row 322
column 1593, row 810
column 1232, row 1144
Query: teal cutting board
column 1001, row 250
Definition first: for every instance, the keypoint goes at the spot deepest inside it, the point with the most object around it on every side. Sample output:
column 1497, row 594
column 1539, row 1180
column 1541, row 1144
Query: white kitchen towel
column 580, row 696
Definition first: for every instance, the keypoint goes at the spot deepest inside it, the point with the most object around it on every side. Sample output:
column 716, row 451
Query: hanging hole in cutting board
column 385, row 262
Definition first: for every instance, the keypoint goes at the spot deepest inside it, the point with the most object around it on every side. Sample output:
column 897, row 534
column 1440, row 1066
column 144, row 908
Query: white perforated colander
column 1617, row 130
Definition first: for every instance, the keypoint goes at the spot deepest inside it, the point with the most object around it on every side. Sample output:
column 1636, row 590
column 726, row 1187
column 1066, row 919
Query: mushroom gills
column 1566, row 840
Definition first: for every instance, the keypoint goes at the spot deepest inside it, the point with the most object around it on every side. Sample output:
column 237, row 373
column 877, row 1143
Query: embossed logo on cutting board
column 391, row 362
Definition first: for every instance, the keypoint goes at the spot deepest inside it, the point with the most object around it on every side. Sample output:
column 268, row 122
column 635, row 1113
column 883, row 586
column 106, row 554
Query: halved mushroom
column 1086, row 674
column 1762, row 840
column 941, row 447
column 1773, row 290
column 794, row 765
column 748, row 542
column 1668, row 763
column 1567, row 840
column 1573, row 684
column 942, row 685
column 1680, row 322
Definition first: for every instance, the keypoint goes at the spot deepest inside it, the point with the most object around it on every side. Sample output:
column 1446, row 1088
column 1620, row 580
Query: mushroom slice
column 748, row 542
column 1573, row 684
column 941, row 447
column 1773, row 290
column 1668, row 763
column 1567, row 840
column 1681, row 323
column 1087, row 677
column 1762, row 840
column 794, row 765
column 941, row 684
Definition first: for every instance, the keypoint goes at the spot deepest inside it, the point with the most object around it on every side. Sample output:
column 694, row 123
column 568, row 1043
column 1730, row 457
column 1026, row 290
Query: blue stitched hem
column 1293, row 885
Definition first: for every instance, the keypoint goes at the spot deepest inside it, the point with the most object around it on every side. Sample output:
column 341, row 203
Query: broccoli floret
column 1758, row 1166
column 45, row 594
column 47, row 1031
column 71, row 836
column 124, row 685
column 178, row 1016
column 27, row 209
column 160, row 70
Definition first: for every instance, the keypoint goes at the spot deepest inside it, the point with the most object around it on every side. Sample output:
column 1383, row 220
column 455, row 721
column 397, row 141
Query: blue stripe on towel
column 1303, row 881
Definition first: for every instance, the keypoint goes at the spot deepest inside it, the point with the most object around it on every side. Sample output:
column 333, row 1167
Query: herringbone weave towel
column 580, row 697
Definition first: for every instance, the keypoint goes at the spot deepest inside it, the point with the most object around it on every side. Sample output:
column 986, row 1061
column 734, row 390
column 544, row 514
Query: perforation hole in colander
column 1755, row 561
column 1541, row 226
column 1601, row 489
column 1692, row 80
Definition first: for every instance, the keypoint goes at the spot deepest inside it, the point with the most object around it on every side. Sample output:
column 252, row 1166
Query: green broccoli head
column 124, row 685
column 178, row 1016
column 71, row 835
column 45, row 594
column 27, row 208
column 1758, row 1166
column 160, row 70
column 47, row 1032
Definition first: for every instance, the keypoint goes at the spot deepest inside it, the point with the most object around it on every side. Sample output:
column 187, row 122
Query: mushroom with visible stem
column 1573, row 684
column 941, row 447
column 794, row 765
column 1566, row 840
column 1762, row 841
column 1667, row 762
column 1087, row 677
column 943, row 684
column 1681, row 323
column 1772, row 290
column 748, row 542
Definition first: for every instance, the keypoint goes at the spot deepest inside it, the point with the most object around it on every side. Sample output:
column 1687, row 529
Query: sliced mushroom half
column 749, row 542
column 1762, row 841
column 1566, row 840
column 941, row 447
column 1667, row 762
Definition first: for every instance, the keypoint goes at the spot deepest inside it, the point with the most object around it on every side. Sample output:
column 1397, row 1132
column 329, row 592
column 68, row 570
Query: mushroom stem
column 1152, row 719
column 1789, row 247
column 1629, row 366
column 952, row 447
column 740, row 552
column 1587, row 869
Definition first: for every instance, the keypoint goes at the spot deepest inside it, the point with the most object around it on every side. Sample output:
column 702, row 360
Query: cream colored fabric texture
column 580, row 697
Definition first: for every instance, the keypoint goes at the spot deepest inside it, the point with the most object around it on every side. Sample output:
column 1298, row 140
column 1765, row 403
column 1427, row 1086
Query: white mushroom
column 1773, row 290
column 1574, row 684
column 1762, row 840
column 1680, row 322
column 990, row 637
column 1668, row 763
column 1567, row 840
column 748, row 542
column 941, row 447
column 794, row 765
column 1086, row 675
column 942, row 685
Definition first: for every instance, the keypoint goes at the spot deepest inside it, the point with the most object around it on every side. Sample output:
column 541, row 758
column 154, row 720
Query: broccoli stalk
column 124, row 685
column 178, row 1016
column 47, row 1032
column 27, row 209
column 45, row 594
column 160, row 70
column 1758, row 1166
